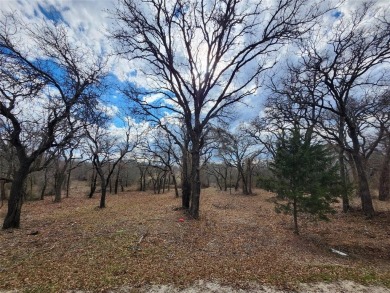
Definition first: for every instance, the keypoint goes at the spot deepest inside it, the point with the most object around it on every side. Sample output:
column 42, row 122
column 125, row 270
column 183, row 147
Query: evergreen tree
column 306, row 177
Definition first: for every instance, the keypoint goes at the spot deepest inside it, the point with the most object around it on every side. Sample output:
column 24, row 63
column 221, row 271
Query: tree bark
column 59, row 181
column 363, row 186
column 12, row 219
column 195, row 181
column 343, row 170
column 68, row 179
column 93, row 183
column 185, row 182
column 117, row 180
column 175, row 184
column 103, row 192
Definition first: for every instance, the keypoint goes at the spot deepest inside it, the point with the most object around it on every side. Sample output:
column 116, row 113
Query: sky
column 89, row 22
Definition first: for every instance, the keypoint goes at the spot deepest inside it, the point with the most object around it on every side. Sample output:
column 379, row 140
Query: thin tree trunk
column 103, row 192
column 225, row 179
column 93, row 183
column 295, row 212
column 44, row 185
column 175, row 185
column 384, row 180
column 117, row 180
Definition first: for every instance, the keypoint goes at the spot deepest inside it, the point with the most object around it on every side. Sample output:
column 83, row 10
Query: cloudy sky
column 89, row 22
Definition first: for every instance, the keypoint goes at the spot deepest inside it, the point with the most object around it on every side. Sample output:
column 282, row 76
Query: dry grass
column 138, row 239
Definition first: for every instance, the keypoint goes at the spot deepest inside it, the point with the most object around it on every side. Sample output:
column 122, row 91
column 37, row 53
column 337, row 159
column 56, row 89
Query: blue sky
column 89, row 23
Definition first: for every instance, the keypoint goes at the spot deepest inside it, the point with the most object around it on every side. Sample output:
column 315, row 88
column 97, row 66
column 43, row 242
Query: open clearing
column 240, row 244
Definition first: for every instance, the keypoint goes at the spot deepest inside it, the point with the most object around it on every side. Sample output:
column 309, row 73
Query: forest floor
column 144, row 242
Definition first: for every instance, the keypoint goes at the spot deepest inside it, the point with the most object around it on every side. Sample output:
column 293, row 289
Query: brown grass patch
column 138, row 240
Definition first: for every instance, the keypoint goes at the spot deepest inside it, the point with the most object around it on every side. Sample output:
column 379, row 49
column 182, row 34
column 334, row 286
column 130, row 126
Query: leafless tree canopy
column 47, row 84
column 205, row 56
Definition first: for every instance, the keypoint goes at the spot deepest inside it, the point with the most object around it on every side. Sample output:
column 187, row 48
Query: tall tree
column 348, row 60
column 52, row 74
column 204, row 56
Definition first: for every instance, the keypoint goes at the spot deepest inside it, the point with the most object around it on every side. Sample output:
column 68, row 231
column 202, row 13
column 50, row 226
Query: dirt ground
column 144, row 243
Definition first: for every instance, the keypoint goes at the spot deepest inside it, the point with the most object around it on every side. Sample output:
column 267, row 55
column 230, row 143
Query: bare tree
column 348, row 62
column 205, row 56
column 240, row 150
column 108, row 149
column 161, row 149
column 60, row 84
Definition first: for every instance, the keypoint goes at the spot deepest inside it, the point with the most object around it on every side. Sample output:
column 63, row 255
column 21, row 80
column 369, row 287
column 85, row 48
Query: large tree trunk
column 185, row 182
column 68, row 179
column 59, row 181
column 384, row 180
column 244, row 181
column 195, row 181
column 343, row 169
column 363, row 187
column 12, row 219
column 355, row 179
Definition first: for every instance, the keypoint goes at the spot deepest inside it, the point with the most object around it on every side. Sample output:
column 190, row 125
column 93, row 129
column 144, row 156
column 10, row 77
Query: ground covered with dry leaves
column 140, row 241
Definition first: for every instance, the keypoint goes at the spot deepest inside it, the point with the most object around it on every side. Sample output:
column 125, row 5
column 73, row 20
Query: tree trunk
column 2, row 192
column 295, row 214
column 195, row 180
column 44, row 185
column 12, row 219
column 93, row 183
column 384, row 180
column 185, row 182
column 103, row 192
column 363, row 187
column 175, row 185
column 249, row 171
column 343, row 169
column 243, row 179
column 225, row 179
column 352, row 165
column 59, row 181
column 117, row 180
column 68, row 179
